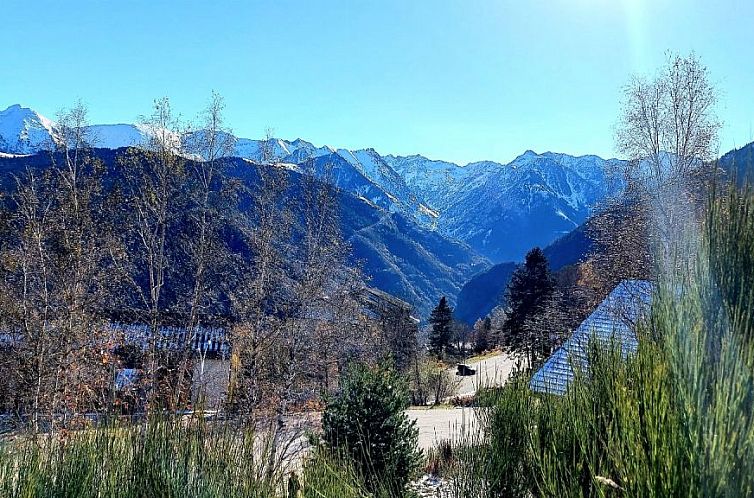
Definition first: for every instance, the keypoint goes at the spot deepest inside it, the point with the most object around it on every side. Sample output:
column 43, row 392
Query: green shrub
column 366, row 422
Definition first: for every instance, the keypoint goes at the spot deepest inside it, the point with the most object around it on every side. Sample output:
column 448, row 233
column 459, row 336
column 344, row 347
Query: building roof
column 613, row 321
column 210, row 341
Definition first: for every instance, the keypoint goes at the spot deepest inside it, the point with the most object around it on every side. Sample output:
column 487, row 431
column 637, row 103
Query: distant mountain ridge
column 500, row 210
column 529, row 202
column 398, row 255
column 492, row 211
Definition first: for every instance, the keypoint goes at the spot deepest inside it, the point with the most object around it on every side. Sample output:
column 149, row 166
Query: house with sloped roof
column 613, row 322
column 212, row 349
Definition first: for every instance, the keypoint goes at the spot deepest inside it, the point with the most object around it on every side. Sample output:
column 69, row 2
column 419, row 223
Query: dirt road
column 491, row 371
column 439, row 423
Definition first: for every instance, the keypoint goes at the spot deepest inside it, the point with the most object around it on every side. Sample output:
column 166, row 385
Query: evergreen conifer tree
column 528, row 294
column 367, row 422
column 441, row 333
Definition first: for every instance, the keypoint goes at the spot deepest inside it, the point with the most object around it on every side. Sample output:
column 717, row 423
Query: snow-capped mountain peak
column 527, row 155
column 501, row 210
column 24, row 131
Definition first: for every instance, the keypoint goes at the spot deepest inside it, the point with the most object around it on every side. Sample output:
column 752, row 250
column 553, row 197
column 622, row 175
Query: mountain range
column 400, row 256
column 492, row 212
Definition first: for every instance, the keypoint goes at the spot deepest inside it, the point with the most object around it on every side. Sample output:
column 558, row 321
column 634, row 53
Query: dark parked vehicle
column 465, row 370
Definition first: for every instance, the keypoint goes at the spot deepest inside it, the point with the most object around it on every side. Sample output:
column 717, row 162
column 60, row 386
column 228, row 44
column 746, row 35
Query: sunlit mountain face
column 499, row 210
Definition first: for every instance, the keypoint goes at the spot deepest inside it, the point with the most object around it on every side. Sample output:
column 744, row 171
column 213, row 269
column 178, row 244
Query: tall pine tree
column 441, row 333
column 528, row 294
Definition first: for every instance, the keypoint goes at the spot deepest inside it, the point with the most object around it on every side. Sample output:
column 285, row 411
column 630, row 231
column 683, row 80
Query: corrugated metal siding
column 613, row 320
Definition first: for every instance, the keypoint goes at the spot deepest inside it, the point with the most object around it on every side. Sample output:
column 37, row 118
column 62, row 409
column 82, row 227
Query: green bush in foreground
column 366, row 423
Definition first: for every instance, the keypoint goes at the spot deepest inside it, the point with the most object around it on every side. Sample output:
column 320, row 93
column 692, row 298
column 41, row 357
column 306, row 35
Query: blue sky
column 456, row 80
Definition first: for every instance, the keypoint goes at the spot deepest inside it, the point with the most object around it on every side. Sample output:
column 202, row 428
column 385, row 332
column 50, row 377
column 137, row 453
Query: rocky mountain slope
column 500, row 210
column 396, row 254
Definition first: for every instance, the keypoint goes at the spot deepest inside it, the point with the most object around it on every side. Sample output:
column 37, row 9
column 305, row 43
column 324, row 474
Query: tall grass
column 676, row 419
column 327, row 474
column 167, row 458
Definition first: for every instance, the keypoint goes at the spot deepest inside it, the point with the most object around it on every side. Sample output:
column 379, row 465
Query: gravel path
column 438, row 424
column 435, row 423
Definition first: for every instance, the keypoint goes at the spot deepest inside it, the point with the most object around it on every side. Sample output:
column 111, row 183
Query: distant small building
column 209, row 348
column 613, row 322
column 212, row 349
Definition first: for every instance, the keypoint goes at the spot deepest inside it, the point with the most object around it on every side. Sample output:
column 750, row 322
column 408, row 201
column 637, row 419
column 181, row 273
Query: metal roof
column 213, row 341
column 613, row 321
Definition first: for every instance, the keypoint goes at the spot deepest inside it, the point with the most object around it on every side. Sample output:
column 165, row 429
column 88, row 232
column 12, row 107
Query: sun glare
column 630, row 14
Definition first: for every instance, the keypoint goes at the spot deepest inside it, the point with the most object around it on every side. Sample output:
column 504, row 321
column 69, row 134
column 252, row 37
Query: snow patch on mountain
column 24, row 131
column 115, row 136
column 279, row 150
column 429, row 212
column 501, row 210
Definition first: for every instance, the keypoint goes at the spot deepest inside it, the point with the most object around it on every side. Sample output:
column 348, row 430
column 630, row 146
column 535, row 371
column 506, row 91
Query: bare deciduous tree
column 432, row 382
column 259, row 296
column 57, row 263
column 668, row 126
column 172, row 247
column 154, row 174
column 669, row 133
column 210, row 206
